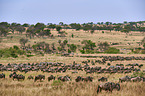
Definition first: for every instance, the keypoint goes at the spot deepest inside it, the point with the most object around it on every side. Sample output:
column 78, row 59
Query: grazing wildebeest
column 51, row 77
column 39, row 77
column 65, row 78
column 2, row 75
column 136, row 79
column 18, row 76
column 11, row 75
column 30, row 77
column 123, row 79
column 87, row 79
column 79, row 78
column 102, row 79
column 109, row 86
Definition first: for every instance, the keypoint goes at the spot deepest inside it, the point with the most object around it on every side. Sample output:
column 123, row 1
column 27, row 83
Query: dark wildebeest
column 18, row 77
column 11, row 75
column 39, row 77
column 2, row 75
column 87, row 79
column 123, row 79
column 30, row 77
column 109, row 86
column 102, row 79
column 79, row 78
column 51, row 77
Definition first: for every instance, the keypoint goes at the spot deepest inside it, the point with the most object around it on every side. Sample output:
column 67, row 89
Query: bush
column 56, row 83
column 30, row 55
column 143, row 51
column 69, row 51
column 112, row 50
column 11, row 52
column 16, row 47
column 82, row 51
column 89, row 51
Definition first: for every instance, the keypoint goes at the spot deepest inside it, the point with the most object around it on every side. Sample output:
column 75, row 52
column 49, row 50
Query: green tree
column 58, row 28
column 52, row 26
column 88, row 44
column 75, row 26
column 47, row 32
column 72, row 47
column 144, row 45
column 25, row 25
column 103, row 46
column 23, row 41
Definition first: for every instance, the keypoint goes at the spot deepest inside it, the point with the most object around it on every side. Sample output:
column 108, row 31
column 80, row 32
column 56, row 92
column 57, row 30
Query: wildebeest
column 51, row 77
column 102, row 79
column 2, row 75
column 64, row 78
column 123, row 79
column 109, row 86
column 30, row 77
column 18, row 76
column 39, row 77
column 136, row 79
column 11, row 75
column 79, row 78
column 87, row 79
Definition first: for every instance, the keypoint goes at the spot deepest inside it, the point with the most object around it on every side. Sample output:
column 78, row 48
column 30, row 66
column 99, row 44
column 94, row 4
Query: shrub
column 143, row 51
column 82, row 51
column 56, row 83
column 30, row 55
column 16, row 47
column 69, row 51
column 112, row 50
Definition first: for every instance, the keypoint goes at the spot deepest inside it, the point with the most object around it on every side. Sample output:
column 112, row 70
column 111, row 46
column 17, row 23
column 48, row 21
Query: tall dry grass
column 29, row 88
column 9, row 87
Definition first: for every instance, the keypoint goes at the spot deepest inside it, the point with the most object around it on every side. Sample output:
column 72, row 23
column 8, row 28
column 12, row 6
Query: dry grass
column 113, row 36
column 8, row 87
column 29, row 88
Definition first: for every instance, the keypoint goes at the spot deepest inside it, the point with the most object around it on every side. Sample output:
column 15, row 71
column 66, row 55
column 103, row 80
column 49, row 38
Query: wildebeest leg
column 99, row 89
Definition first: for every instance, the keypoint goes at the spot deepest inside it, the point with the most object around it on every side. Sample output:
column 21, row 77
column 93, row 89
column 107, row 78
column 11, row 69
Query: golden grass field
column 8, row 87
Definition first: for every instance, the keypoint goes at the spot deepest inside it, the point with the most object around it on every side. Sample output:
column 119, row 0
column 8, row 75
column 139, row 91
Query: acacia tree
column 103, row 46
column 75, row 26
column 3, row 32
column 72, row 47
column 23, row 41
column 88, row 44
column 58, row 28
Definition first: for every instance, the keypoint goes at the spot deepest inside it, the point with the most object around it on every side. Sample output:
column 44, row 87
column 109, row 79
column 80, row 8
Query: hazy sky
column 71, row 11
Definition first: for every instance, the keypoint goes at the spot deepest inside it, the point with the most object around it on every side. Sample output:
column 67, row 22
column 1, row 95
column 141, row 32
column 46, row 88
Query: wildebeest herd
column 50, row 67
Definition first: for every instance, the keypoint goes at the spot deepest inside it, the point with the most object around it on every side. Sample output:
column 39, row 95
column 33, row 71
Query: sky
column 71, row 11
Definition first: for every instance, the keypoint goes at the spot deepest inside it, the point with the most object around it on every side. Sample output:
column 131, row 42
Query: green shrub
column 112, row 50
column 16, row 47
column 69, row 51
column 89, row 51
column 143, row 51
column 82, row 51
column 30, row 55
column 56, row 83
